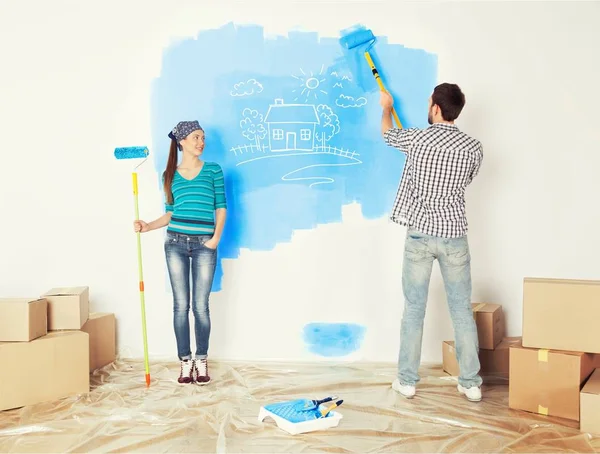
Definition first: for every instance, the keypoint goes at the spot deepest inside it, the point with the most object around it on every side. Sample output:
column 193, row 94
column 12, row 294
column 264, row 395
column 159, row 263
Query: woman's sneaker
column 201, row 372
column 186, row 374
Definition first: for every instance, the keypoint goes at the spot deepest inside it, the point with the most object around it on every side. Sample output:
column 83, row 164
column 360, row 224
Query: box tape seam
column 479, row 306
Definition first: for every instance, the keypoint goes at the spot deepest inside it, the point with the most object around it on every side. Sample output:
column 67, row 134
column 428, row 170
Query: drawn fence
column 243, row 149
column 327, row 149
column 336, row 151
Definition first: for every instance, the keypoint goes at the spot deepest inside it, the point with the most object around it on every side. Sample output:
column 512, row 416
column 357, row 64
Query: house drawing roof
column 291, row 113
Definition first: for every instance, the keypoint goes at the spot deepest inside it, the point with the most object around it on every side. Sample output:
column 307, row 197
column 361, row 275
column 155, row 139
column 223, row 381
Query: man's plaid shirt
column 441, row 162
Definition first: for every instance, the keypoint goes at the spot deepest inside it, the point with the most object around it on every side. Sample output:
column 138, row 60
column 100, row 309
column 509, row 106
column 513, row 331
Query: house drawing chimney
column 278, row 101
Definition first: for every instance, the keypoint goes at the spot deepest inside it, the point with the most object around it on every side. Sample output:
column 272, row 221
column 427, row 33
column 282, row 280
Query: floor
column 121, row 415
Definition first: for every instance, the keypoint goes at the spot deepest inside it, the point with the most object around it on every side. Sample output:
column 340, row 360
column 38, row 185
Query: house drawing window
column 291, row 126
column 305, row 134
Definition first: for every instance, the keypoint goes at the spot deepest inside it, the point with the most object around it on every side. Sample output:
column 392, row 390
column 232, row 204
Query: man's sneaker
column 201, row 372
column 185, row 376
column 473, row 393
column 407, row 391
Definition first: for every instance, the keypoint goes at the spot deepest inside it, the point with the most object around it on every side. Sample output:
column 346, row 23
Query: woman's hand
column 212, row 243
column 140, row 226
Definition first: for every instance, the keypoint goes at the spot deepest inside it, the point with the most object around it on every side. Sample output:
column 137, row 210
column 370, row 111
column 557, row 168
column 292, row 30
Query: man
column 441, row 161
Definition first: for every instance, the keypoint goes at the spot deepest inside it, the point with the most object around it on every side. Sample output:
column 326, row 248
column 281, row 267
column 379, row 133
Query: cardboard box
column 68, row 307
column 493, row 362
column 490, row 324
column 449, row 361
column 46, row 369
column 561, row 314
column 547, row 382
column 102, row 331
column 590, row 405
column 23, row 319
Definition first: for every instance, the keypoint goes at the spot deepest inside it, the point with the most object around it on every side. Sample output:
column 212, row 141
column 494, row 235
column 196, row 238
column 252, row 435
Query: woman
column 195, row 216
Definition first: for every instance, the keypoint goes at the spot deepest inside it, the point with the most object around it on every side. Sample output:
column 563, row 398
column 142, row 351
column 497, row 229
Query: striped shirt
column 195, row 201
column 441, row 162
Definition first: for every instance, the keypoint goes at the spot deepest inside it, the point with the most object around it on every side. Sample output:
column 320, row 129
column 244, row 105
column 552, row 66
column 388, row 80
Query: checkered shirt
column 441, row 162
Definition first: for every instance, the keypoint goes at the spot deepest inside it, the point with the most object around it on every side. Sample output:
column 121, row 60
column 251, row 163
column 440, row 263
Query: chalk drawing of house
column 291, row 126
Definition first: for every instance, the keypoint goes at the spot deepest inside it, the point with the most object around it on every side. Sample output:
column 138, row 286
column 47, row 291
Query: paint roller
column 362, row 37
column 138, row 153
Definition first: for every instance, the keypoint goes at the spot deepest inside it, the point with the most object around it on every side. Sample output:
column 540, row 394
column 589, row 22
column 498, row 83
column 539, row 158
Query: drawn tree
column 252, row 126
column 329, row 124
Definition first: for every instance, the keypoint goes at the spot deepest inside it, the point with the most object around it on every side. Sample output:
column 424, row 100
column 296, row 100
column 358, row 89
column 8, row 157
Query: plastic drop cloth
column 121, row 415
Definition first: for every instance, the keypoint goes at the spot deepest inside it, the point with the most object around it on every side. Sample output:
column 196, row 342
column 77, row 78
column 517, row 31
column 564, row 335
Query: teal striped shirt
column 195, row 201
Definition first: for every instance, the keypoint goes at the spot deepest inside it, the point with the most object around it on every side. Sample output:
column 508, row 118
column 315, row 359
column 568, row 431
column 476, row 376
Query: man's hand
column 386, row 101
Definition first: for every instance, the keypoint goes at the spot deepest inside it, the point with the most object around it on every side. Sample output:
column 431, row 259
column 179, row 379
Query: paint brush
column 322, row 401
column 326, row 409
column 314, row 403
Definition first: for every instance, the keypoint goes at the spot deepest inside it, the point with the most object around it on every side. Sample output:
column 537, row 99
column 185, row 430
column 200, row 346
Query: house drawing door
column 290, row 141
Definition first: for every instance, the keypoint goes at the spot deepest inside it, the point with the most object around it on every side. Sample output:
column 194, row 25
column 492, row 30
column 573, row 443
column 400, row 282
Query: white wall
column 75, row 83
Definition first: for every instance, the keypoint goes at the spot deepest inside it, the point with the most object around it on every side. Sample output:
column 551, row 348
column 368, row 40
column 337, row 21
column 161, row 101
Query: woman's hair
column 170, row 171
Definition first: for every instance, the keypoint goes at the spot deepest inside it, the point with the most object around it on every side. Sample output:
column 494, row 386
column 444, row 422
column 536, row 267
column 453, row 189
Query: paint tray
column 290, row 417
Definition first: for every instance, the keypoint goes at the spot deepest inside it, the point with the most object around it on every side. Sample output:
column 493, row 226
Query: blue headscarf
column 183, row 129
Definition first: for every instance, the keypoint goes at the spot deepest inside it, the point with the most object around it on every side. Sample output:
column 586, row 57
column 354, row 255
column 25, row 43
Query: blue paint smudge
column 333, row 339
column 295, row 133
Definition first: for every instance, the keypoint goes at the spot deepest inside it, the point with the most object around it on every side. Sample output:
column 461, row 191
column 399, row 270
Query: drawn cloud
column 248, row 88
column 346, row 102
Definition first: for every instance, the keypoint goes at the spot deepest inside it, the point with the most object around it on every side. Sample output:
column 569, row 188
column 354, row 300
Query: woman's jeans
column 454, row 258
column 187, row 256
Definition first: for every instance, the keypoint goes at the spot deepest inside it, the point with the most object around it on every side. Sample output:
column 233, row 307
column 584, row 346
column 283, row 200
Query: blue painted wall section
column 297, row 135
column 333, row 339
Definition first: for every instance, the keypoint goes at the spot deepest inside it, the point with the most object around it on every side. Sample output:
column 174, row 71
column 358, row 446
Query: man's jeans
column 454, row 259
column 187, row 255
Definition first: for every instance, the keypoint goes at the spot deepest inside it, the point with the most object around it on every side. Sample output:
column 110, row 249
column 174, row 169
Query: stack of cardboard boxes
column 494, row 347
column 554, row 368
column 49, row 346
column 552, row 372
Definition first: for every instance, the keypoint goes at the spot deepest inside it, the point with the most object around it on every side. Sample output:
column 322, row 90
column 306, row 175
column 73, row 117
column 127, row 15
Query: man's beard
column 429, row 118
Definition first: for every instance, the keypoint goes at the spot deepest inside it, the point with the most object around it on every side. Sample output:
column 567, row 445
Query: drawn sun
column 309, row 85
